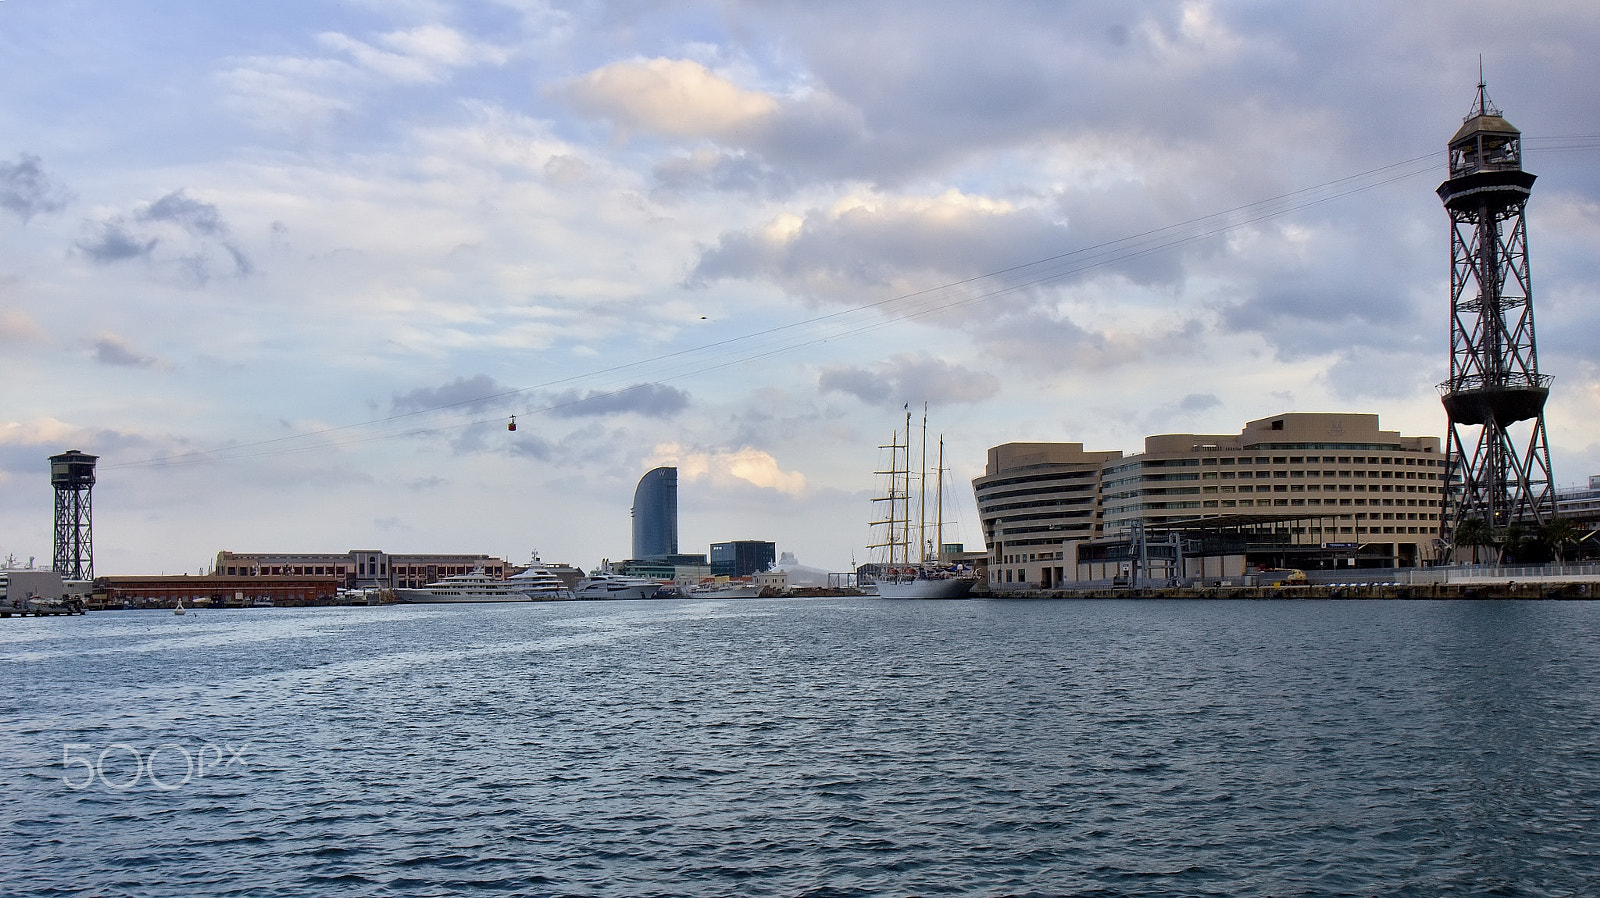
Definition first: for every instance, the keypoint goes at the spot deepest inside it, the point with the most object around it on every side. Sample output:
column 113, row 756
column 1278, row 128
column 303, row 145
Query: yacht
column 616, row 586
column 474, row 587
column 540, row 584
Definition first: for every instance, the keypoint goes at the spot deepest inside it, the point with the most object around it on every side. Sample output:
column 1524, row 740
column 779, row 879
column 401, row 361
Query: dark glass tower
column 655, row 515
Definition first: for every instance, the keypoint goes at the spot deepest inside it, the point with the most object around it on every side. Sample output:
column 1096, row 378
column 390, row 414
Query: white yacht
column 540, row 584
column 615, row 586
column 474, row 587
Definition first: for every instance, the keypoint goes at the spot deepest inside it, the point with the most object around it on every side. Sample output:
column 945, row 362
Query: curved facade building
column 655, row 514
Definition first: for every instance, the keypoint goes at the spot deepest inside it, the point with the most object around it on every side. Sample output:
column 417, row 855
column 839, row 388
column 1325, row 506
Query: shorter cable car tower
column 72, row 474
column 1499, row 468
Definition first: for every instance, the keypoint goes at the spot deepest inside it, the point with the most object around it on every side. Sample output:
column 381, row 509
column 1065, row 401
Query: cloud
column 110, row 349
column 17, row 326
column 292, row 92
column 113, row 242
column 26, row 191
column 729, row 467
column 675, row 98
column 869, row 246
column 476, row 391
column 193, row 229
column 648, row 400
column 907, row 378
column 194, row 216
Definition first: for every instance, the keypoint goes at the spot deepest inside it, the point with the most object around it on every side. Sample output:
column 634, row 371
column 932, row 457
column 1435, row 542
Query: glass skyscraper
column 655, row 515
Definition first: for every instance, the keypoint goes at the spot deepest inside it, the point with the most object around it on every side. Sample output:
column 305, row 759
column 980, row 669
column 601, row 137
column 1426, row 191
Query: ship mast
column 922, row 496
column 938, row 529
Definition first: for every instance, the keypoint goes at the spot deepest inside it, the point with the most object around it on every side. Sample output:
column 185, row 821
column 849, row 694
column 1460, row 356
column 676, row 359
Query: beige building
column 1294, row 490
column 1035, row 499
column 364, row 568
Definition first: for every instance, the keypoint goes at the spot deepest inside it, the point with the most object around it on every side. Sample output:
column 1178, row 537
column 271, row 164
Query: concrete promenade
column 1456, row 582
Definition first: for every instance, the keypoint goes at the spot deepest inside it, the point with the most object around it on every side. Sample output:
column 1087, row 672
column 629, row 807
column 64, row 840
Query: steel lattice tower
column 72, row 474
column 1497, row 476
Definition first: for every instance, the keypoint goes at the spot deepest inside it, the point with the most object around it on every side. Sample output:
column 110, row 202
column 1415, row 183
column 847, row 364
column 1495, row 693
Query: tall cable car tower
column 72, row 474
column 1499, row 467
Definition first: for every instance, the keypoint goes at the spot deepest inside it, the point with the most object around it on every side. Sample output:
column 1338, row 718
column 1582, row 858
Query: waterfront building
column 655, row 515
column 1303, row 490
column 359, row 568
column 742, row 558
column 1033, row 499
column 1581, row 504
column 216, row 591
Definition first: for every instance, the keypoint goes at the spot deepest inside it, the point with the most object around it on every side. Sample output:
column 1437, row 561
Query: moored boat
column 926, row 582
column 929, row 577
column 615, row 586
column 540, row 584
column 474, row 587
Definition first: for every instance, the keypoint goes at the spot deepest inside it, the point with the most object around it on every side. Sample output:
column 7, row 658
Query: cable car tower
column 1498, row 475
column 72, row 474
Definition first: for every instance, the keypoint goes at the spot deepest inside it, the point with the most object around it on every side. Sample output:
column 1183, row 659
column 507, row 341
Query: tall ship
column 920, row 573
column 474, row 587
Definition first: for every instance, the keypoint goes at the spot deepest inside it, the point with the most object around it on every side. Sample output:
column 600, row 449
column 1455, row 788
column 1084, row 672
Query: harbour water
column 807, row 747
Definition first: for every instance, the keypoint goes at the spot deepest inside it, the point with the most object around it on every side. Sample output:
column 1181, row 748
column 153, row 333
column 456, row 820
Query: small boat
column 615, row 586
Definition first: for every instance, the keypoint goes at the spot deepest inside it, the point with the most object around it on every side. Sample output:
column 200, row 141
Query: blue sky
column 288, row 268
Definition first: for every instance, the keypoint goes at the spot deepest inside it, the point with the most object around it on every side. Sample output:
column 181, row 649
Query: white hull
column 473, row 587
column 612, row 587
column 726, row 592
column 938, row 588
column 429, row 597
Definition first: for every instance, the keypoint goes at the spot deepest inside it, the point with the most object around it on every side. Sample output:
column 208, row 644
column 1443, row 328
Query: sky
column 290, row 268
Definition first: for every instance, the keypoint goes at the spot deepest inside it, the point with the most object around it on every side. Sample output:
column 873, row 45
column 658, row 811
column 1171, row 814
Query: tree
column 1559, row 534
column 1471, row 533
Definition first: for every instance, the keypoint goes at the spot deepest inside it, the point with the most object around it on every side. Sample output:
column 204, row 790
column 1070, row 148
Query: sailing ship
column 929, row 576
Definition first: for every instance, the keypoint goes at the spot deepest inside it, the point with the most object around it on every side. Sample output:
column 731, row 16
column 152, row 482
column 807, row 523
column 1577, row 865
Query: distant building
column 358, row 568
column 1581, row 504
column 655, row 515
column 217, row 591
column 742, row 558
column 1293, row 490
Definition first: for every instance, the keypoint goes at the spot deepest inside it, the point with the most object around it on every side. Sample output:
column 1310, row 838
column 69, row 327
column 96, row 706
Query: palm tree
column 1558, row 534
column 1472, row 532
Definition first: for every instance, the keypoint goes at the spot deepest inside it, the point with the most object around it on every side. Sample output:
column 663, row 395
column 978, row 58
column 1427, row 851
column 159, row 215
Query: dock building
column 1303, row 490
column 359, row 568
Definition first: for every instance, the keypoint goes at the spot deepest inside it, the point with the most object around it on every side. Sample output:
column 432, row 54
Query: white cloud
column 673, row 97
column 723, row 467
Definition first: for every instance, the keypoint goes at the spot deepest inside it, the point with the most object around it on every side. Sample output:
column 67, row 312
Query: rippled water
column 807, row 747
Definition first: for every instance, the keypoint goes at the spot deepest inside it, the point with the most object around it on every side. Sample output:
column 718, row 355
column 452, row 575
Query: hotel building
column 1293, row 490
